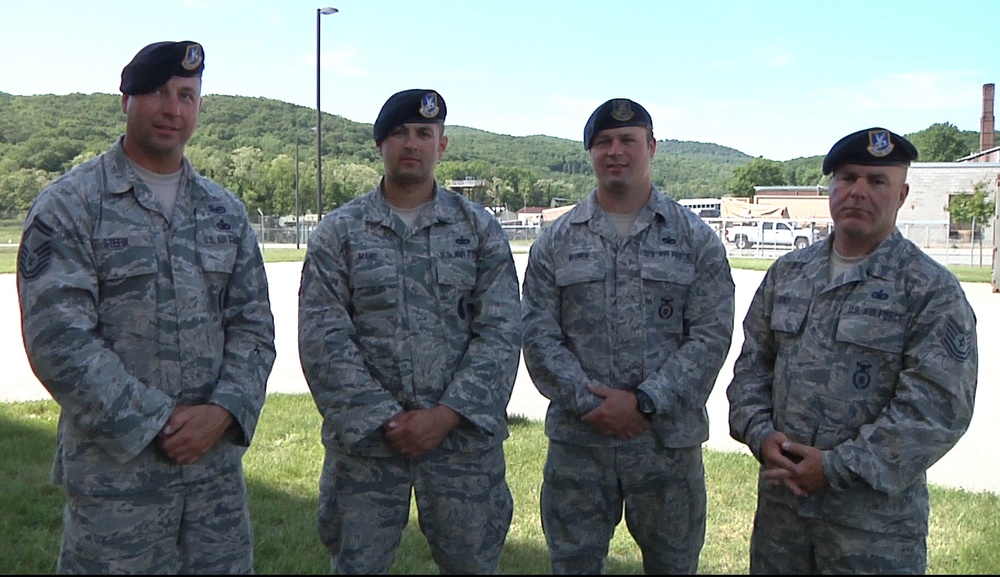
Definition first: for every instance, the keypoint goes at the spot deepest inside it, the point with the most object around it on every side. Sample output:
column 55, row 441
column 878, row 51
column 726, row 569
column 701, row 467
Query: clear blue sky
column 778, row 79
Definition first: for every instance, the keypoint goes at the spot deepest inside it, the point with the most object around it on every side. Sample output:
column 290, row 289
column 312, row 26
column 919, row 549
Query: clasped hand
column 796, row 466
column 192, row 430
column 413, row 433
column 618, row 416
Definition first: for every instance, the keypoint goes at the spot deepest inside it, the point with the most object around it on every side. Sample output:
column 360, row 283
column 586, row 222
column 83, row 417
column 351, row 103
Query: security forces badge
column 879, row 143
column 621, row 110
column 429, row 105
column 192, row 57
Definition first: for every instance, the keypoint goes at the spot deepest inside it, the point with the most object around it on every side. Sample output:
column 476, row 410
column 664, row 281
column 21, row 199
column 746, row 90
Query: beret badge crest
column 429, row 105
column 621, row 110
column 192, row 57
column 879, row 143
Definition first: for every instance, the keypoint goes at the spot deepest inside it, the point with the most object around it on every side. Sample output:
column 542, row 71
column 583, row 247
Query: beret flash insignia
column 429, row 105
column 621, row 110
column 879, row 143
column 192, row 57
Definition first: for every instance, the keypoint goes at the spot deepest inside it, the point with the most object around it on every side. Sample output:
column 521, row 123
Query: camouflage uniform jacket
column 878, row 369
column 394, row 317
column 125, row 315
column 655, row 312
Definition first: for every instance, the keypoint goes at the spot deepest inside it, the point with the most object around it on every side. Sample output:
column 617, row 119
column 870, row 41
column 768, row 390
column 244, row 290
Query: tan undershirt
column 164, row 186
column 840, row 263
column 409, row 215
column 623, row 221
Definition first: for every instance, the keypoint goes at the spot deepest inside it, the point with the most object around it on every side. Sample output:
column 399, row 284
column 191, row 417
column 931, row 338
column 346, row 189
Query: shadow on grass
column 283, row 467
column 31, row 524
column 283, row 507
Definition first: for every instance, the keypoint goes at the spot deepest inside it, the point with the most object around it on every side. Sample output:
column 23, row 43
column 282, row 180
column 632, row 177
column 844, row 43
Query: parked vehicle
column 771, row 233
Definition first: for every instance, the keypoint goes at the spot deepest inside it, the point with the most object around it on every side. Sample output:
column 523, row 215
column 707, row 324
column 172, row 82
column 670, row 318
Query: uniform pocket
column 123, row 257
column 217, row 259
column 455, row 281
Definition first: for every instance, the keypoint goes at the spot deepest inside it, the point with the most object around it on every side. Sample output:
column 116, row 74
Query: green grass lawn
column 283, row 466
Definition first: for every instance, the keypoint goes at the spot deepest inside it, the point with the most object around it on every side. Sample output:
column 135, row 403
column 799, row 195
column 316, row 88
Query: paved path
column 971, row 465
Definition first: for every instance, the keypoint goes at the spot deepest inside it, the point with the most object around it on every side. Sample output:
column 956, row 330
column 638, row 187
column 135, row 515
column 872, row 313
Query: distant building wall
column 549, row 215
column 799, row 207
column 530, row 215
column 931, row 184
column 817, row 190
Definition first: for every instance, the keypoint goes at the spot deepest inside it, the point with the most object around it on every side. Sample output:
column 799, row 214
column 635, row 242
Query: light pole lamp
column 298, row 229
column 319, row 120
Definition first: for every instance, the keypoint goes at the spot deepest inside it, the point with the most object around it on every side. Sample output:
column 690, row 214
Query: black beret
column 615, row 113
column 872, row 147
column 155, row 64
column 409, row 106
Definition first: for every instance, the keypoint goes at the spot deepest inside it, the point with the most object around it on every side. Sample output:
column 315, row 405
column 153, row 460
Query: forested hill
column 250, row 146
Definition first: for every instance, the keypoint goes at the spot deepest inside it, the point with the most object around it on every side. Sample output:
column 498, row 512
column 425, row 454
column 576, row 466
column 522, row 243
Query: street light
column 298, row 229
column 319, row 121
column 261, row 213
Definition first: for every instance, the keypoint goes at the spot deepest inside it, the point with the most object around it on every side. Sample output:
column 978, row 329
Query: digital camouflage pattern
column 125, row 315
column 391, row 317
column 142, row 533
column 654, row 310
column 877, row 368
column 661, row 491
column 465, row 509
column 394, row 317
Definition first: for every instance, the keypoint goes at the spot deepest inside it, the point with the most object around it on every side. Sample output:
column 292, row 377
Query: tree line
column 261, row 148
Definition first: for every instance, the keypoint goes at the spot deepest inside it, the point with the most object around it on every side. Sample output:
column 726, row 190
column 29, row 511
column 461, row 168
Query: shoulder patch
column 955, row 340
column 35, row 253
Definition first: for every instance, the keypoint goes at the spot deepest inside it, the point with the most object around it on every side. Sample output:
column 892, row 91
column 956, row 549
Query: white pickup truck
column 770, row 233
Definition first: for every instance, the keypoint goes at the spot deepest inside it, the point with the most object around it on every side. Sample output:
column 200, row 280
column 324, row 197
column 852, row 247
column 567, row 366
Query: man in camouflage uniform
column 145, row 314
column 628, row 317
column 409, row 334
column 858, row 372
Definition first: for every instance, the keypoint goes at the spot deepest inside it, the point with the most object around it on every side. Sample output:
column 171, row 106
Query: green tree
column 247, row 179
column 352, row 180
column 758, row 172
column 19, row 189
column 279, row 185
column 976, row 207
column 549, row 188
column 804, row 171
column 210, row 162
column 941, row 142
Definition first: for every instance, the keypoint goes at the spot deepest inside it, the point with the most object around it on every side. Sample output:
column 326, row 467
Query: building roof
column 981, row 153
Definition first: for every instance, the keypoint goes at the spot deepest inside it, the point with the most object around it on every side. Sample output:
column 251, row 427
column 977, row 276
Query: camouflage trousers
column 788, row 543
column 662, row 491
column 190, row 528
column 464, row 509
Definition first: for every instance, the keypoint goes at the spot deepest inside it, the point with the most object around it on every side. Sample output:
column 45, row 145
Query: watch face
column 646, row 406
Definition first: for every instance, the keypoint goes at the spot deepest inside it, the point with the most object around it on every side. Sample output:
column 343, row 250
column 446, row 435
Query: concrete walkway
column 971, row 465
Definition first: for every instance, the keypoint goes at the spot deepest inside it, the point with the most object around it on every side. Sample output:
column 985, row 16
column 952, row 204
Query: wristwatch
column 646, row 406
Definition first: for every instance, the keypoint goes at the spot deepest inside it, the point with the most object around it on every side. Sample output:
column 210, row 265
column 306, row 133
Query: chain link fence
column 936, row 238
